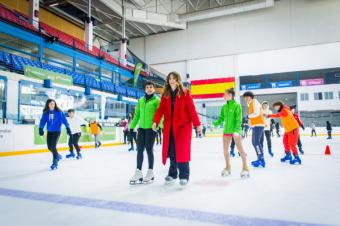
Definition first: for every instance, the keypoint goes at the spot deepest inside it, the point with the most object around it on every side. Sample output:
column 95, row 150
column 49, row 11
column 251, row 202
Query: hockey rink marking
column 150, row 210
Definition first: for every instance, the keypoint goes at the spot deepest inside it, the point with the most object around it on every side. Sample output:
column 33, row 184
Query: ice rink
column 96, row 190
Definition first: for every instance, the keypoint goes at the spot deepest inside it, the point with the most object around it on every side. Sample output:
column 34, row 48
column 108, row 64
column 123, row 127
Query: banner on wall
column 106, row 134
column 312, row 82
column 138, row 69
column 281, row 84
column 211, row 88
column 251, row 86
column 42, row 74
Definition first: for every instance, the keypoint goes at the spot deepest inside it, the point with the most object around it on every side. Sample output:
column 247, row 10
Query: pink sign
column 312, row 82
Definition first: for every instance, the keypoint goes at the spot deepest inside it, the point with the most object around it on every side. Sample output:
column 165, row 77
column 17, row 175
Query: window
column 329, row 96
column 14, row 43
column 304, row 96
column 107, row 73
column 57, row 59
column 115, row 109
column 83, row 66
column 318, row 96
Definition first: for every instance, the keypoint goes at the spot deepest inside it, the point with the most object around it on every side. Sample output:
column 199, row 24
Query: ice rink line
column 182, row 214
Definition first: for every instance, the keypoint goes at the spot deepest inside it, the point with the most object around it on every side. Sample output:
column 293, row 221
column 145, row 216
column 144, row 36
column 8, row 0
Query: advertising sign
column 312, row 82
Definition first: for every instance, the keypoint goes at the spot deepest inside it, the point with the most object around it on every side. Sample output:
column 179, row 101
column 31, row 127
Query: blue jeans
column 256, row 140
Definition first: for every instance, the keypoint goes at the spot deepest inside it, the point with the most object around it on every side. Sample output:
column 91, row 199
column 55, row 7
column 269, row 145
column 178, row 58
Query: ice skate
column 71, row 155
column 183, row 182
column 301, row 151
column 259, row 163
column 296, row 160
column 149, row 178
column 130, row 149
column 54, row 165
column 232, row 153
column 288, row 157
column 271, row 152
column 245, row 174
column 60, row 157
column 79, row 156
column 137, row 178
column 226, row 172
column 169, row 180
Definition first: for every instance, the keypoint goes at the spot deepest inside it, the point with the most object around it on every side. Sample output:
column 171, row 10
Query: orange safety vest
column 289, row 122
column 258, row 120
column 94, row 128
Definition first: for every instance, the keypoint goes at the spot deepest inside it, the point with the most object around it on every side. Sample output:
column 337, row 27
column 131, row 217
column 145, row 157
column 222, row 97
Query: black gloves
column 41, row 131
column 68, row 131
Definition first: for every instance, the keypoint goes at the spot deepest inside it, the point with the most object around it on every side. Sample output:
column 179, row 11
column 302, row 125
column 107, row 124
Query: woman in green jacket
column 231, row 116
column 144, row 114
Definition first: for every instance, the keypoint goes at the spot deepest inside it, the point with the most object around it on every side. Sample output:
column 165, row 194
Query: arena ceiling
column 147, row 17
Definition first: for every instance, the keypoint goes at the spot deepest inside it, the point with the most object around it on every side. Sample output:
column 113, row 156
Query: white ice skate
column 137, row 178
column 245, row 174
column 149, row 178
column 169, row 180
column 183, row 182
column 225, row 173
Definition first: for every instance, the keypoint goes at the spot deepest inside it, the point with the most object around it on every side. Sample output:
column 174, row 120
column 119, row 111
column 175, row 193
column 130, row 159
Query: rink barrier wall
column 37, row 151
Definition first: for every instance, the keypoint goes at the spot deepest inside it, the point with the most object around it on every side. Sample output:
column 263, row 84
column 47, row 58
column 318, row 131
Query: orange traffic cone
column 328, row 150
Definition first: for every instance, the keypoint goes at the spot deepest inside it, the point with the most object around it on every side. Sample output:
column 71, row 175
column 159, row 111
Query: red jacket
column 297, row 118
column 184, row 116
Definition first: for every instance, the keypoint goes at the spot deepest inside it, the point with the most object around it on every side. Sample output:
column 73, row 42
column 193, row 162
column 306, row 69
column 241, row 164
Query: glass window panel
column 85, row 66
column 16, row 43
column 115, row 109
column 56, row 58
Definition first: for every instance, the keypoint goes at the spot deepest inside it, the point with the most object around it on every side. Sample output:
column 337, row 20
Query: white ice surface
column 308, row 193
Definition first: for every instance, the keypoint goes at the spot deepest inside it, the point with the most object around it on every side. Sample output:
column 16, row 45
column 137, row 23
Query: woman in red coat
column 180, row 114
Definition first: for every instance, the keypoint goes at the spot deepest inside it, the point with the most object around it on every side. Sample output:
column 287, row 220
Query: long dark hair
column 167, row 87
column 46, row 108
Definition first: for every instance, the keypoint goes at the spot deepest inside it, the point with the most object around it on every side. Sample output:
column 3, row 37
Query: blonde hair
column 167, row 87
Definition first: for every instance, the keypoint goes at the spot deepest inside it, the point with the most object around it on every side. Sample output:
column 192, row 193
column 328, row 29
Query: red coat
column 184, row 117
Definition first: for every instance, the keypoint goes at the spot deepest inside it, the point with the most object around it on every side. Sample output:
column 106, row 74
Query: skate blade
column 243, row 177
column 140, row 181
column 149, row 181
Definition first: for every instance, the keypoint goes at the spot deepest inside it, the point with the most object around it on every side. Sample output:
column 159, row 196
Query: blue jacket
column 54, row 120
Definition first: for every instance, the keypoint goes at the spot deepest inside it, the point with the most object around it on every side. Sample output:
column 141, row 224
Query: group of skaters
column 175, row 114
column 53, row 117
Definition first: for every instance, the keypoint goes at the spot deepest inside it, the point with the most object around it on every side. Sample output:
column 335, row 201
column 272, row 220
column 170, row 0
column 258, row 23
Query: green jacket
column 144, row 113
column 231, row 116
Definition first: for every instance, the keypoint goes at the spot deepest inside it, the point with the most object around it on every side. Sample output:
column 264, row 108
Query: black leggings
column 52, row 141
column 268, row 138
column 73, row 142
column 133, row 136
column 145, row 140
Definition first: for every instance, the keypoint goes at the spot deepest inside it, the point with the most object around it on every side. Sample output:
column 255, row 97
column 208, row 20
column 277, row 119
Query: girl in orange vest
column 291, row 135
column 95, row 131
column 257, row 123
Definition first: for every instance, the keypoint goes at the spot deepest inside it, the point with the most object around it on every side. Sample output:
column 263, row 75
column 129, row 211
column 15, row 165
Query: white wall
column 285, row 37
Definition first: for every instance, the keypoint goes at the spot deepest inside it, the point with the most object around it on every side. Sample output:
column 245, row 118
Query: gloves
column 68, row 131
column 41, row 131
column 303, row 127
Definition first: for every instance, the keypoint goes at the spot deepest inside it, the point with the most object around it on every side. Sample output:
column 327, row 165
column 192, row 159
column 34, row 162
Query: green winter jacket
column 144, row 113
column 231, row 116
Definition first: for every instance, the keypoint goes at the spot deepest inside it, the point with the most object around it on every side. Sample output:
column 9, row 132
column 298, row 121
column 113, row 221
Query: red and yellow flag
column 211, row 88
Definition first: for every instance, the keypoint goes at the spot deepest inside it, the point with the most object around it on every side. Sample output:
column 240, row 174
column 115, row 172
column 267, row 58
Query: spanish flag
column 211, row 88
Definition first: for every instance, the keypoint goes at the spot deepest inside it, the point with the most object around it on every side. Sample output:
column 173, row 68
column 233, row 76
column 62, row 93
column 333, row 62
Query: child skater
column 132, row 132
column 144, row 114
column 231, row 116
column 95, row 128
column 297, row 118
column 291, row 134
column 75, row 126
column 178, row 109
column 54, row 118
column 257, row 122
column 267, row 111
